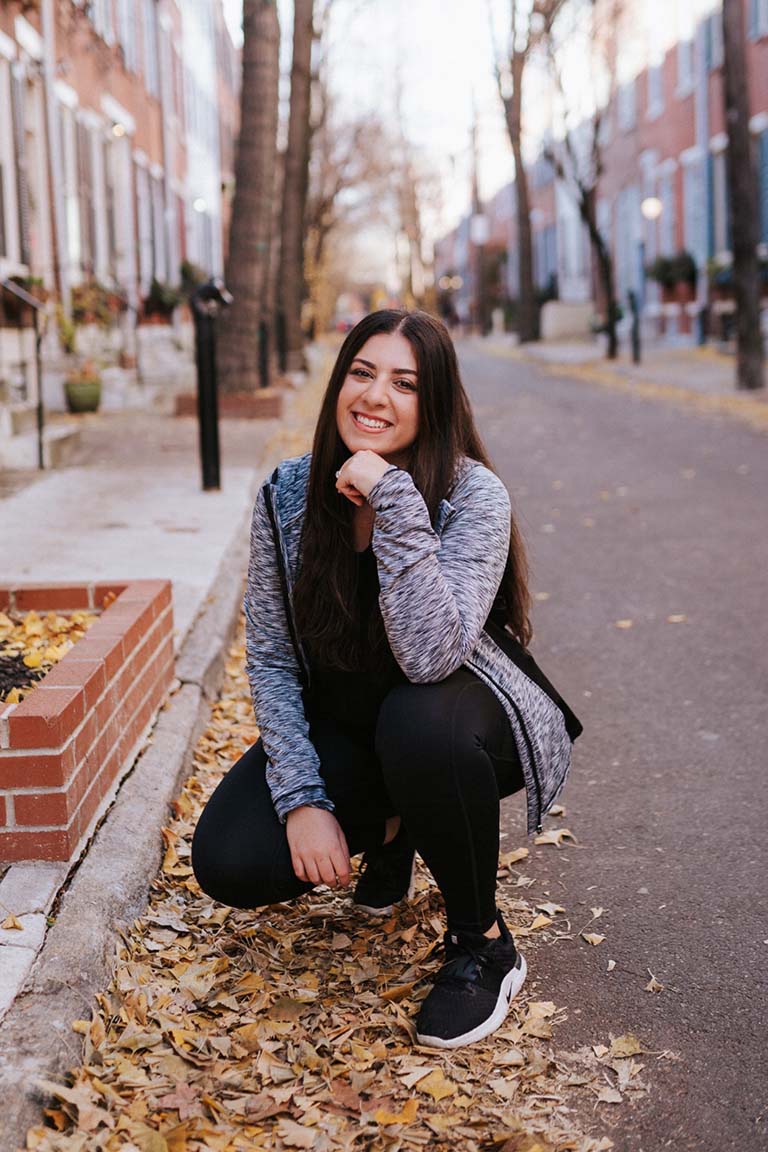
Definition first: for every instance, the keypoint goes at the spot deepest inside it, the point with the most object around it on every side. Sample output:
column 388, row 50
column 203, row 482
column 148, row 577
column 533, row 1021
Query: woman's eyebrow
column 395, row 371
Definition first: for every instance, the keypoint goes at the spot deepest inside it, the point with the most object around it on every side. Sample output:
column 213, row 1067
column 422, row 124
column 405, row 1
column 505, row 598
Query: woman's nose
column 376, row 391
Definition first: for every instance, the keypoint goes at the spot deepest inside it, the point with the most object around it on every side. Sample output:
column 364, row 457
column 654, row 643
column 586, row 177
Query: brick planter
column 64, row 748
column 266, row 404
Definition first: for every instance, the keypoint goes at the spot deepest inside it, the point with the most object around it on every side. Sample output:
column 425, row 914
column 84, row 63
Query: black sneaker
column 387, row 876
column 473, row 989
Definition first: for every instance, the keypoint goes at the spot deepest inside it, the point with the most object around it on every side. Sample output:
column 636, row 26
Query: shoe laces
column 464, row 963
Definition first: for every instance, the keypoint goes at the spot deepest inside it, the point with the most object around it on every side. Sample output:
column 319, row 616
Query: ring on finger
column 338, row 473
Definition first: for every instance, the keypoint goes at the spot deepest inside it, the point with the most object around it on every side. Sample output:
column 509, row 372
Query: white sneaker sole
column 510, row 986
column 388, row 908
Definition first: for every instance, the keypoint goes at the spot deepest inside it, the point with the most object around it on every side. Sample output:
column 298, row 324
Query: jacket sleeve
column 293, row 766
column 437, row 591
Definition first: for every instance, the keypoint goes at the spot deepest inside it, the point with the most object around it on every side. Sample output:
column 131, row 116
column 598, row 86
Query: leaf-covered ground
column 291, row 1027
column 31, row 644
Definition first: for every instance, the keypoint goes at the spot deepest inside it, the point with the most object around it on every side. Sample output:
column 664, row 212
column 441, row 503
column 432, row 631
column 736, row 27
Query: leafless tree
column 247, row 260
column 529, row 28
column 295, row 185
column 742, row 187
column 577, row 157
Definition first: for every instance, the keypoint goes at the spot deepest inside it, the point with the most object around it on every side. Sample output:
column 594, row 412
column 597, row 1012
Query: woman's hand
column 359, row 473
column 319, row 852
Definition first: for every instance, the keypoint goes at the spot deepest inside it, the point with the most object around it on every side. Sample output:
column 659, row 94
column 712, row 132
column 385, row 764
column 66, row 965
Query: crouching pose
column 386, row 632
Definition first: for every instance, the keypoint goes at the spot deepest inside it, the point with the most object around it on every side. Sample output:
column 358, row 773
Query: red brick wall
column 66, row 744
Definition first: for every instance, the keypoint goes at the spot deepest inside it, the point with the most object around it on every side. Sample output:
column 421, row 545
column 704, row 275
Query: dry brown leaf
column 592, row 937
column 406, row 1115
column 12, row 921
column 554, row 836
column 296, row 1135
column 436, row 1085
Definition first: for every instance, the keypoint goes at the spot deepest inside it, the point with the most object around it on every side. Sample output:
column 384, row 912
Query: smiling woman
column 386, row 624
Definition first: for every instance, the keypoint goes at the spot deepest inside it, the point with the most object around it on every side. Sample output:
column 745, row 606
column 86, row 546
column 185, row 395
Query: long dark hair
column 325, row 597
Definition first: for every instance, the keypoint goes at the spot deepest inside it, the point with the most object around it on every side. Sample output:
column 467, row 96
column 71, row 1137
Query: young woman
column 386, row 624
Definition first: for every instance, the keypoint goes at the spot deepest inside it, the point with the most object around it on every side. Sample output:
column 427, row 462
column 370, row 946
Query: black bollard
column 205, row 302
column 635, row 331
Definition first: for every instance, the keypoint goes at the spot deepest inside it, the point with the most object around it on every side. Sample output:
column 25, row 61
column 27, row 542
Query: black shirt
column 353, row 698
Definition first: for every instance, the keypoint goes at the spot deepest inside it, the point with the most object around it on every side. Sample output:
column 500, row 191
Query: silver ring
column 338, row 473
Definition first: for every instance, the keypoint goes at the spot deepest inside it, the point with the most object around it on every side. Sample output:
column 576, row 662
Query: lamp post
column 650, row 208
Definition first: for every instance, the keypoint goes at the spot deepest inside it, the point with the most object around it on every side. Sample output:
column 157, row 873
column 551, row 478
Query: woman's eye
column 361, row 372
column 409, row 384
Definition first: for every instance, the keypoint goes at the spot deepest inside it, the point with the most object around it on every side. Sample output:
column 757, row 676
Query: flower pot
column 82, row 395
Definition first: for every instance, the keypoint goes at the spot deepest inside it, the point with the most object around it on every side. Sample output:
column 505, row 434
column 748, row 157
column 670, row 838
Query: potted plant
column 82, row 388
column 161, row 301
column 94, row 303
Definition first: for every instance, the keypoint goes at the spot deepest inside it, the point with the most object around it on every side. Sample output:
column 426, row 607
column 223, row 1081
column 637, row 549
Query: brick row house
column 117, row 128
column 663, row 146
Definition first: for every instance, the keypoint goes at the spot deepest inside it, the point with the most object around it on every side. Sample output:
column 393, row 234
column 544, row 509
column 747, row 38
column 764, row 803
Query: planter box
column 266, row 404
column 67, row 745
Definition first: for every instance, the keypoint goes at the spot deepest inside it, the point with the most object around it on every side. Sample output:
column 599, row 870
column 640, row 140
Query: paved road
column 637, row 511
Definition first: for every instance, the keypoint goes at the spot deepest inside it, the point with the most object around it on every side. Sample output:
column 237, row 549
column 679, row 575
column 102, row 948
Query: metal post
column 205, row 302
column 635, row 332
column 40, row 413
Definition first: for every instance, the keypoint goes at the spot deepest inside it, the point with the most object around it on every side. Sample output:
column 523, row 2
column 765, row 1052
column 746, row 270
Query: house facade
column 662, row 193
column 112, row 115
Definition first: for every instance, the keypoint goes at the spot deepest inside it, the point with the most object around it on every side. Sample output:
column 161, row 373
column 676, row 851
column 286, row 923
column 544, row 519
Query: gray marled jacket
column 437, row 588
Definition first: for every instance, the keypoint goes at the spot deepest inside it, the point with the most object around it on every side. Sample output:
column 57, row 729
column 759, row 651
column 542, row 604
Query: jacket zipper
column 284, row 584
column 529, row 746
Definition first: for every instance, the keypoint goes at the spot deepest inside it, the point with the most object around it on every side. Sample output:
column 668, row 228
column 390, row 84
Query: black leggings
column 440, row 756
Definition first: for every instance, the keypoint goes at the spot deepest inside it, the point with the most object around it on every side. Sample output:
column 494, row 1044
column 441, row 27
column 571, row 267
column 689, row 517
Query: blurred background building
column 118, row 121
column 662, row 202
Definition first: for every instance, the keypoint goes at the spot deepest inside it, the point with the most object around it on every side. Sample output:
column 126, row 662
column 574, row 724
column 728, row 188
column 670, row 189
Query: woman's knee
column 424, row 725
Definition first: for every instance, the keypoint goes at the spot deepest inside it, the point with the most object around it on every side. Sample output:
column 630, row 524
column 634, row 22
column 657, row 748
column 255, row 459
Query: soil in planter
column 31, row 644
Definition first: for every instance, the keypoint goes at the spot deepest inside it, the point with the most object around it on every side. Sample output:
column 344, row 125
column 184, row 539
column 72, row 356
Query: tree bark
column 742, row 187
column 528, row 321
column 248, row 259
column 291, row 280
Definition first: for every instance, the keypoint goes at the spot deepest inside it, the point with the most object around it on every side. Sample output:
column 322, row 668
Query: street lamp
column 651, row 207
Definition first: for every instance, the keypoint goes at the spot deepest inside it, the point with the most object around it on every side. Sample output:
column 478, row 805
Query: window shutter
column 710, row 205
column 3, row 241
column 763, row 167
column 20, row 156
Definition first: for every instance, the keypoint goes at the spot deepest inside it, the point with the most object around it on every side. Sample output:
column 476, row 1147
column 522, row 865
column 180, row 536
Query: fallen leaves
column 30, row 645
column 554, row 836
column 292, row 1027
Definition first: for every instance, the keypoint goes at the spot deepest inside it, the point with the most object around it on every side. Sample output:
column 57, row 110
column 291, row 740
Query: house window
column 715, row 39
column 721, row 239
column 127, row 33
column 685, row 33
column 667, row 220
column 67, row 129
column 758, row 19
column 3, row 241
column 151, row 73
column 85, row 190
column 762, row 164
column 694, row 222
column 109, row 206
column 627, row 105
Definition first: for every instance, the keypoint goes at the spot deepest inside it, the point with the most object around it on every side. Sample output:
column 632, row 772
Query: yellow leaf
column 407, row 1116
column 436, row 1085
column 14, row 696
column 34, row 660
column 550, row 909
column 507, row 858
column 12, row 921
column 626, row 1045
column 624, row 623
column 653, row 985
column 540, row 922
column 554, row 836
column 296, row 1135
column 592, row 937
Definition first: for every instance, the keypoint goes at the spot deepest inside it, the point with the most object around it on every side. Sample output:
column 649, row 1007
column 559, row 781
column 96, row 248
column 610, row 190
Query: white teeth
column 369, row 423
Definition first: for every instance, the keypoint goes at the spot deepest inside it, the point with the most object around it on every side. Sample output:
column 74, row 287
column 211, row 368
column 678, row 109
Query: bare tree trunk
column 588, row 213
column 528, row 319
column 248, row 258
column 742, row 186
column 291, row 281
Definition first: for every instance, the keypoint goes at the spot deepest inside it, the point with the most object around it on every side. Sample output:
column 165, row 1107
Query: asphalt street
column 634, row 512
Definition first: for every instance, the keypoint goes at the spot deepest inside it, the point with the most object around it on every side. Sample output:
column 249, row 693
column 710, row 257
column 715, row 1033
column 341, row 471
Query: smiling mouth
column 370, row 423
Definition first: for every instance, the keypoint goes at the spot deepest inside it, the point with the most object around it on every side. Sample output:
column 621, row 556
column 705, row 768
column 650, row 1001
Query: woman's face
column 378, row 405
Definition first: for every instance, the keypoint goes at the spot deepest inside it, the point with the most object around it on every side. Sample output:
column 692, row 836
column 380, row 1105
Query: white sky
column 442, row 52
